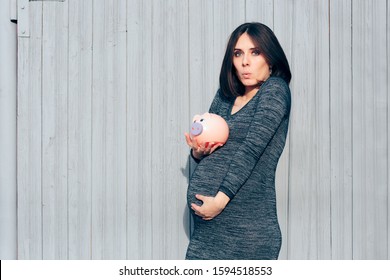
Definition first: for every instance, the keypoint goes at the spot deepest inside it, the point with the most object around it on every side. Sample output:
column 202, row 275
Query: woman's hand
column 212, row 206
column 201, row 150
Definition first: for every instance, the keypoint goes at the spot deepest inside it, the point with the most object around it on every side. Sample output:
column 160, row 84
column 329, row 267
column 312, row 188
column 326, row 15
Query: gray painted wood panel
column 107, row 91
column 139, row 130
column 109, row 97
column 283, row 30
column 54, row 131
column 388, row 133
column 79, row 130
column 29, row 138
column 370, row 168
column 169, row 104
column 341, row 129
column 8, row 131
column 309, row 146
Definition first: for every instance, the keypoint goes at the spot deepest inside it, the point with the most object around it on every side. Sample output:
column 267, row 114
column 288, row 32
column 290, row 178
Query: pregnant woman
column 232, row 190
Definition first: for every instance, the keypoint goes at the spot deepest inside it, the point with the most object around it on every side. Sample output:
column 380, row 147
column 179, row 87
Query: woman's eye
column 256, row 52
column 237, row 54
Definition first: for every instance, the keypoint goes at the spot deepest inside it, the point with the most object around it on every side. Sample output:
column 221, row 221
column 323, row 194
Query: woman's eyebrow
column 251, row 49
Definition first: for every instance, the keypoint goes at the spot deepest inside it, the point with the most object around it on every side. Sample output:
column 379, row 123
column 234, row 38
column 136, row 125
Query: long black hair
column 266, row 42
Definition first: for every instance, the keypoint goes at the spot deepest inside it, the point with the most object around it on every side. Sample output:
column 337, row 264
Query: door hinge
column 23, row 18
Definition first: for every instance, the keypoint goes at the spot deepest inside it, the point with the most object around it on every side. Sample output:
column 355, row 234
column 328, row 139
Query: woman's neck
column 250, row 92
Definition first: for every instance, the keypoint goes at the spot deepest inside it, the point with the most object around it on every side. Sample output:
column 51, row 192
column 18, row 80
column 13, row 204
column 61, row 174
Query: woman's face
column 251, row 67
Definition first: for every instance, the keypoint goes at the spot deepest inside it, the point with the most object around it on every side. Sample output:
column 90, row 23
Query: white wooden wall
column 107, row 88
column 8, row 83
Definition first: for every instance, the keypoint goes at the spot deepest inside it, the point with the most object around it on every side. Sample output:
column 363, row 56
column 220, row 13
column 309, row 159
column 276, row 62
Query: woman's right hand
column 201, row 150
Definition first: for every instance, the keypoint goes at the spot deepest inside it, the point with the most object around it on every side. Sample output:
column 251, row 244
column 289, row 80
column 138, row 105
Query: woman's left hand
column 211, row 207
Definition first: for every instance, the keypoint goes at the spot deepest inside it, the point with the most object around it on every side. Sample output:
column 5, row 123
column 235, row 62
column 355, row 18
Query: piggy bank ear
column 196, row 118
column 206, row 115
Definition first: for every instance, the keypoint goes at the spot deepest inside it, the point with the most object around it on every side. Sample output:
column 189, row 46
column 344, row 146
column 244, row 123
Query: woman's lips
column 246, row 75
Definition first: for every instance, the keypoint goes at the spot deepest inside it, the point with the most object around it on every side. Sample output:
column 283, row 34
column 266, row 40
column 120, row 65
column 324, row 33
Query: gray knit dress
column 244, row 169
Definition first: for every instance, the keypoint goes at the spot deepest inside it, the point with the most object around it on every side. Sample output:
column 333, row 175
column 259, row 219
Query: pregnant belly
column 205, row 180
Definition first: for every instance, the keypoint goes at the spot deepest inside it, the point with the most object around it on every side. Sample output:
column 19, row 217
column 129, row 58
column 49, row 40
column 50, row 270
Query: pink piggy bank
column 209, row 128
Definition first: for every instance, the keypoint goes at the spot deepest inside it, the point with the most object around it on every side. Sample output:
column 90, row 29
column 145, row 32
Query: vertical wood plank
column 100, row 66
column 79, row 129
column 203, row 65
column 55, row 130
column 177, row 107
column 341, row 130
column 302, row 206
column 8, row 132
column 13, row 10
column 309, row 230
column 283, row 18
column 169, row 104
column 29, row 129
column 370, row 170
column 322, row 130
column 388, row 130
column 119, row 141
column 109, row 131
column 159, row 104
column 140, row 136
column 260, row 11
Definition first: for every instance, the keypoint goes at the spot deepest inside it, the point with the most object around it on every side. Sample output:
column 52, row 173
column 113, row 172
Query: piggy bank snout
column 196, row 128
column 209, row 128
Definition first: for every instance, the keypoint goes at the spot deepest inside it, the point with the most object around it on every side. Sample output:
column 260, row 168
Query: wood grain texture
column 55, row 131
column 80, row 129
column 203, row 58
column 341, row 129
column 29, row 139
column 309, row 166
column 140, row 136
column 106, row 91
column 109, row 131
column 170, row 103
column 283, row 17
column 388, row 132
column 369, row 130
column 261, row 11
column 322, row 131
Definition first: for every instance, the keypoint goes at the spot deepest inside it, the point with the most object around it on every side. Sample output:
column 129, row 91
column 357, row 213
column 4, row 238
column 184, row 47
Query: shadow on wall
column 187, row 218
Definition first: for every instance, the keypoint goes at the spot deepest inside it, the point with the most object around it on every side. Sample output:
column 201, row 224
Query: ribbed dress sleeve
column 273, row 107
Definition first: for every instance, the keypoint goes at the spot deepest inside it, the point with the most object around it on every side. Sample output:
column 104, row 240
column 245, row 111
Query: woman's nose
column 245, row 60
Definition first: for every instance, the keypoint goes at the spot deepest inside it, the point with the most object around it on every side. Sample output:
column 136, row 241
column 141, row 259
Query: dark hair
column 269, row 47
